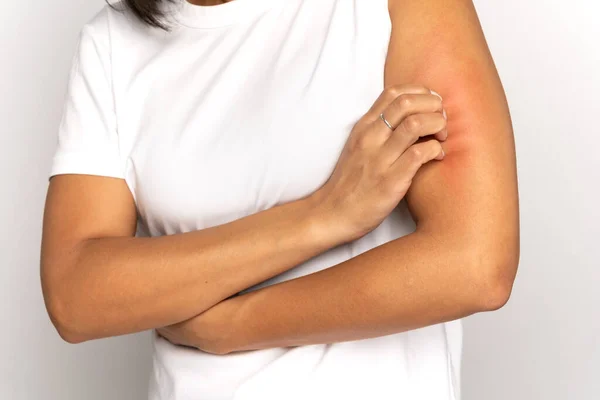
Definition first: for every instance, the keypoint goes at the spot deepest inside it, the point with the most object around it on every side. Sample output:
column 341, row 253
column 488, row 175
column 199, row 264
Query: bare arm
column 463, row 256
column 99, row 281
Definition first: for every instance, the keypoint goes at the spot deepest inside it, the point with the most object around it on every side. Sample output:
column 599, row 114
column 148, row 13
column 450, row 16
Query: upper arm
column 472, row 194
column 87, row 194
column 81, row 207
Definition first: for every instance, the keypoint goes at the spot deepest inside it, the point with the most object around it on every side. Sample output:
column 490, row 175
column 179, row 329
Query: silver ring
column 385, row 121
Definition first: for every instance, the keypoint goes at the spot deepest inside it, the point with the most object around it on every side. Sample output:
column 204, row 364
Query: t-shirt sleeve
column 88, row 141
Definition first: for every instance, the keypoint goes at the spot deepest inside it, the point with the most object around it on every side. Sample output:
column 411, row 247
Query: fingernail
column 441, row 155
column 436, row 93
column 444, row 113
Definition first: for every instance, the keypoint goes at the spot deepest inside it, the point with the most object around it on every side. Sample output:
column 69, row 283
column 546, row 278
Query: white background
column 545, row 344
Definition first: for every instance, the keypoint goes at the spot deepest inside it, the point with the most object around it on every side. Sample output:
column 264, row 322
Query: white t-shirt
column 243, row 106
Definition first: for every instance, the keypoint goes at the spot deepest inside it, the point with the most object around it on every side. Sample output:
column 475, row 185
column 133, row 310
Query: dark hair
column 148, row 11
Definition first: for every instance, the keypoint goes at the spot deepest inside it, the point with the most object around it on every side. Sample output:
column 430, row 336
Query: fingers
column 403, row 170
column 410, row 104
column 396, row 104
column 414, row 116
column 409, row 131
column 390, row 94
column 399, row 117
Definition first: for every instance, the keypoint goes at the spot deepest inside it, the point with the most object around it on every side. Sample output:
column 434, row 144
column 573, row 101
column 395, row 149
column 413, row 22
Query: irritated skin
column 462, row 258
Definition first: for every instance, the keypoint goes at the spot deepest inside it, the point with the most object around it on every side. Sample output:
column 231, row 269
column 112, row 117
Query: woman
column 244, row 178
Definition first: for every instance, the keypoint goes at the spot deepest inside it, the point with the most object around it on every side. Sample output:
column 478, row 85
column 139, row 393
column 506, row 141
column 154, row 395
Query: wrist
column 214, row 330
column 233, row 322
column 322, row 223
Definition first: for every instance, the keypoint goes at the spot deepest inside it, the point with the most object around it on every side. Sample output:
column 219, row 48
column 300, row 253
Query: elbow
column 67, row 301
column 68, row 327
column 494, row 279
column 495, row 295
column 69, row 336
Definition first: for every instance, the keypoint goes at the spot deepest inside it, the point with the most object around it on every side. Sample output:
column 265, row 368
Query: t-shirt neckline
column 215, row 16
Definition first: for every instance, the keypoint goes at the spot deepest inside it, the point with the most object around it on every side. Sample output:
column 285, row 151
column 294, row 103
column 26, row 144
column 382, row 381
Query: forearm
column 119, row 285
column 411, row 282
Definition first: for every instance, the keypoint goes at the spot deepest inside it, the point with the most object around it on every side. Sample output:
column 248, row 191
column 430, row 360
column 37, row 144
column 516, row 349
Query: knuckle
column 415, row 154
column 404, row 101
column 412, row 124
column 394, row 91
column 361, row 124
column 359, row 142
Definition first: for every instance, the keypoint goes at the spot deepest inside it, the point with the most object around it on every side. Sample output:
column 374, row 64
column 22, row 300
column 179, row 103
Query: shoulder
column 96, row 31
column 113, row 22
column 108, row 17
column 117, row 36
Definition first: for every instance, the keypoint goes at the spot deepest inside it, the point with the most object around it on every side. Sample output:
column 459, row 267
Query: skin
column 464, row 254
column 100, row 281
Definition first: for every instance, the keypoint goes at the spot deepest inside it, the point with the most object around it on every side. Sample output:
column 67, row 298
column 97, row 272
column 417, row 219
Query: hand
column 189, row 334
column 209, row 331
column 377, row 164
